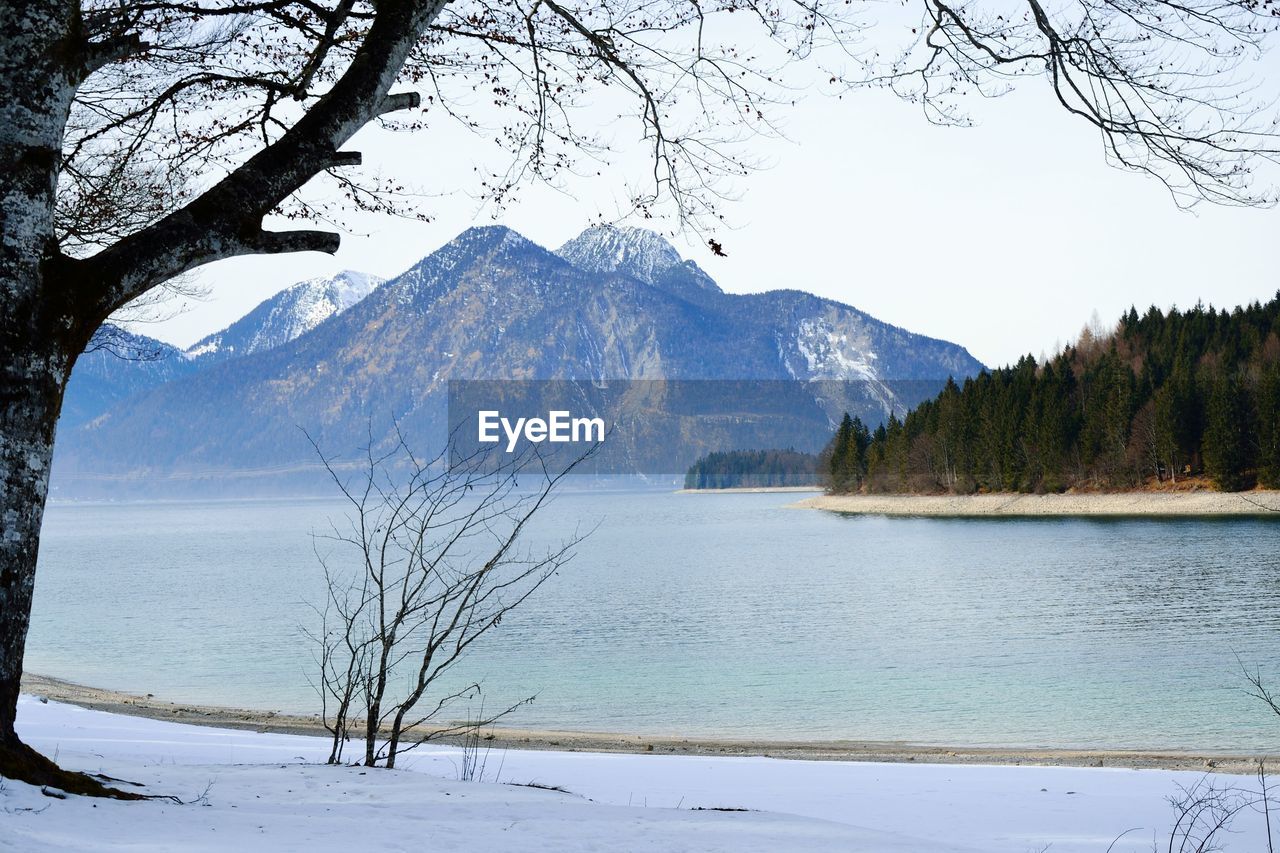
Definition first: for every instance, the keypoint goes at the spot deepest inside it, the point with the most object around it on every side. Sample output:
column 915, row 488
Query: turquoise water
column 727, row 615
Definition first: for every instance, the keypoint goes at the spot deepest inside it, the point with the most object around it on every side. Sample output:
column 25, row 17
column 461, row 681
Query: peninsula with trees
column 1167, row 412
column 1178, row 402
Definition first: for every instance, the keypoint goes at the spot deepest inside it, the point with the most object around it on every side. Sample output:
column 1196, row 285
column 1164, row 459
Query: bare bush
column 430, row 558
column 1207, row 809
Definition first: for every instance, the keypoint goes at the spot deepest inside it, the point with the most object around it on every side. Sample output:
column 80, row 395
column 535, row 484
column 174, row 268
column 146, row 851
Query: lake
column 724, row 615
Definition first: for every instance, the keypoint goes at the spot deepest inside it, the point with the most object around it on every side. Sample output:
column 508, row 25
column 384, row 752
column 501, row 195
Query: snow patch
column 829, row 355
column 250, row 792
column 637, row 252
column 289, row 314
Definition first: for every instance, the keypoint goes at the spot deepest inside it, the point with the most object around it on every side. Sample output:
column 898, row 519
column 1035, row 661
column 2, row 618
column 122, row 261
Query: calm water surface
column 725, row 615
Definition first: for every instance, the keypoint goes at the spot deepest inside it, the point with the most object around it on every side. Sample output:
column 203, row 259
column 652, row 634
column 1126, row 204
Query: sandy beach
column 514, row 738
column 1117, row 505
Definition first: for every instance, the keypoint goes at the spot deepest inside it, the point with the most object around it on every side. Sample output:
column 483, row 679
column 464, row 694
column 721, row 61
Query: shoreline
column 753, row 490
column 1256, row 504
column 892, row 752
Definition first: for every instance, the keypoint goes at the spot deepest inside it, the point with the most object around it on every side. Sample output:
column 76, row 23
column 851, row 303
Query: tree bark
column 38, row 345
column 39, row 335
column 50, row 304
column 35, row 97
column 32, row 380
column 31, row 396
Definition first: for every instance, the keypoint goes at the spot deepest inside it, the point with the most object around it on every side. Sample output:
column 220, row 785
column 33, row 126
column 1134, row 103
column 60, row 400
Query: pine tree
column 839, row 471
column 1226, row 450
column 859, row 457
column 1268, row 410
column 1166, row 395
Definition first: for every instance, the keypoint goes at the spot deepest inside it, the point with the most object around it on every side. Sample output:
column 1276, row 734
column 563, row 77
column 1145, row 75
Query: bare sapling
column 430, row 557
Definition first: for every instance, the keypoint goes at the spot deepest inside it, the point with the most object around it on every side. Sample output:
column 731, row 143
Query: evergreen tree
column 1226, row 442
column 1268, row 410
column 897, row 446
column 859, row 457
column 1167, row 395
column 839, row 468
column 752, row 469
column 848, row 455
column 952, row 437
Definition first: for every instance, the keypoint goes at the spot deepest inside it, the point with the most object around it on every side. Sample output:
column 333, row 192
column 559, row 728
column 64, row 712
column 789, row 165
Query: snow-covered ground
column 264, row 792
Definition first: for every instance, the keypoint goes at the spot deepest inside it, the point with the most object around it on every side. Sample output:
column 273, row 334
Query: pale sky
column 1003, row 237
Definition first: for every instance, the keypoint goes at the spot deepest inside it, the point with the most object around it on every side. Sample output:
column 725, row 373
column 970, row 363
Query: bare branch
column 281, row 242
column 434, row 562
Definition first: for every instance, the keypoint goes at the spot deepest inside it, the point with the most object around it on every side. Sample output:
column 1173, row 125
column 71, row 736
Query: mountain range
column 121, row 364
column 343, row 358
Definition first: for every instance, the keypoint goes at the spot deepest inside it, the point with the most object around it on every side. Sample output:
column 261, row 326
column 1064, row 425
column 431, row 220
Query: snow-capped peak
column 349, row 287
column 289, row 314
column 636, row 252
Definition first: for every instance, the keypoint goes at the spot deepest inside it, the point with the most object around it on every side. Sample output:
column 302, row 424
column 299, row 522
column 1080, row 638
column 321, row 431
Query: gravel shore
column 511, row 738
column 1155, row 504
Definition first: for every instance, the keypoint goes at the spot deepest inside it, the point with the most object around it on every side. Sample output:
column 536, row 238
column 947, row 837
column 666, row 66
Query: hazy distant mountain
column 124, row 364
column 119, row 365
column 290, row 313
column 612, row 304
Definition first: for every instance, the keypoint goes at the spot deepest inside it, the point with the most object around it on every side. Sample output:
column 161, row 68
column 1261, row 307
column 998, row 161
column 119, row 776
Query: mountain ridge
column 121, row 363
column 288, row 314
column 492, row 304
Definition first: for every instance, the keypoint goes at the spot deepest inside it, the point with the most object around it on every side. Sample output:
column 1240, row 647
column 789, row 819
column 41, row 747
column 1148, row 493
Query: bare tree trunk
column 393, row 743
column 397, row 724
column 39, row 334
column 32, row 380
column 378, row 689
column 33, row 371
column 30, row 398
column 33, row 109
column 371, row 735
